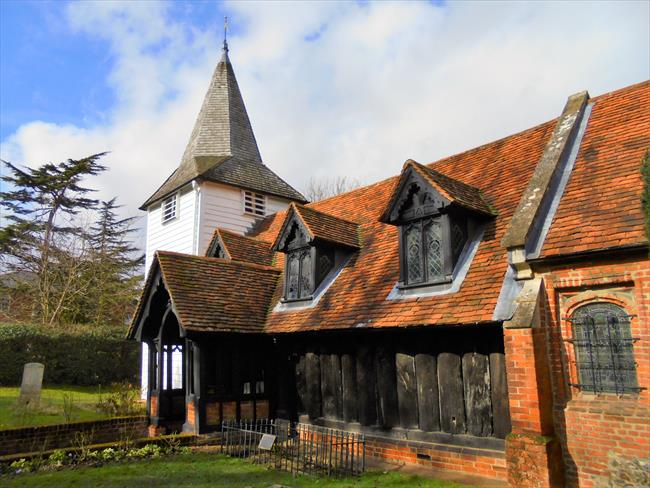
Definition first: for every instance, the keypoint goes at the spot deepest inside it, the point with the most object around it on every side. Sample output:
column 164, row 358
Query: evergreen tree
column 43, row 236
column 116, row 266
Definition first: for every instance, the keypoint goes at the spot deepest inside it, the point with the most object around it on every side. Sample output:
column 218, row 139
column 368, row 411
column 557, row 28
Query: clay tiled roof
column 210, row 294
column 357, row 298
column 324, row 227
column 601, row 205
column 242, row 248
column 600, row 209
column 452, row 189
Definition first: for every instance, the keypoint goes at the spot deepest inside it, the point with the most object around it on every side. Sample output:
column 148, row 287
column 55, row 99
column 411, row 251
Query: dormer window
column 169, row 208
column 306, row 264
column 314, row 244
column 435, row 216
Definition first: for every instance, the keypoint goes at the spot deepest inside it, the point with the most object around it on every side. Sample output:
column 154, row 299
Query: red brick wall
column 191, row 414
column 37, row 439
column 591, row 427
column 533, row 453
column 481, row 462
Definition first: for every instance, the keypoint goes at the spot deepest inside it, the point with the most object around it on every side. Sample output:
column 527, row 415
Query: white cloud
column 377, row 84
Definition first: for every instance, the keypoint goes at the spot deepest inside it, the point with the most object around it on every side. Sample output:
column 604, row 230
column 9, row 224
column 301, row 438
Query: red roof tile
column 242, row 248
column 600, row 208
column 501, row 170
column 452, row 189
column 210, row 294
column 601, row 205
column 324, row 227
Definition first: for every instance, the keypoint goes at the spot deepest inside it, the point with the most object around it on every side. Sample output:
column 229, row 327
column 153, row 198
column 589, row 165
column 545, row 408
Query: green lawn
column 205, row 469
column 84, row 400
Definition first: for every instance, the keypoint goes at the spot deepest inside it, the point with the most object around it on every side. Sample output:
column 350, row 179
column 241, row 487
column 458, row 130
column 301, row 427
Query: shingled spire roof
column 222, row 146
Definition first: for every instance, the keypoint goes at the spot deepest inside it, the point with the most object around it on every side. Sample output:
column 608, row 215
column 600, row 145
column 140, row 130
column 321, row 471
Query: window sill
column 297, row 300
column 402, row 286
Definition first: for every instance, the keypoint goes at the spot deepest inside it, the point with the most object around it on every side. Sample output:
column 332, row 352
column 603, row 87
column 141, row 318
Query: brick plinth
column 534, row 461
column 156, row 430
column 481, row 462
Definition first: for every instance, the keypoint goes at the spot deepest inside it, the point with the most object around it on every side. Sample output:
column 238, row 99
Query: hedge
column 72, row 355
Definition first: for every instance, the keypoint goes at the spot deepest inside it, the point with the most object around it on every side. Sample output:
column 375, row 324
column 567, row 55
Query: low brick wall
column 490, row 463
column 36, row 439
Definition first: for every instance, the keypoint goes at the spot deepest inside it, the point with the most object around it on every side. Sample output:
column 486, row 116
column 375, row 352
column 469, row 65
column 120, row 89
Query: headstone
column 30, row 389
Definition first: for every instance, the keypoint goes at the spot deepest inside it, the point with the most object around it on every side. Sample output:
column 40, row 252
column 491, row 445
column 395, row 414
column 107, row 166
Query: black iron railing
column 295, row 447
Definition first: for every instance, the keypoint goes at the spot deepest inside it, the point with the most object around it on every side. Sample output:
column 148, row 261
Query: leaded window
column 603, row 344
column 428, row 256
column 299, row 279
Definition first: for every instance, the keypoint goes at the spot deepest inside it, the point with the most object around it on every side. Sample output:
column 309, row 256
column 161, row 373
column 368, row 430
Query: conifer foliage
column 62, row 260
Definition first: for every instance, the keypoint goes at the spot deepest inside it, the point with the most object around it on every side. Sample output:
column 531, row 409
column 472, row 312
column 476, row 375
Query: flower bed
column 97, row 455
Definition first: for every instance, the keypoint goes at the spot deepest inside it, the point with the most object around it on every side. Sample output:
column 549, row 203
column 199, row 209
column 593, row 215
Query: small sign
column 266, row 442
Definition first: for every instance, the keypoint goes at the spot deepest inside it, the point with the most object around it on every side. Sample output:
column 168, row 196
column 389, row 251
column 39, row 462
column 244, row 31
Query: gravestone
column 30, row 389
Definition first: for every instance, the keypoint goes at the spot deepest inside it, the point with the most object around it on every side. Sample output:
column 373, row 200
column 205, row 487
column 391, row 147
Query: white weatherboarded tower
column 220, row 182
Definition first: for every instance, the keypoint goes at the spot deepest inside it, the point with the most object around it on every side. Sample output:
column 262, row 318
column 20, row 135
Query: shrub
column 73, row 355
column 68, row 407
column 122, row 402
column 21, row 466
column 58, row 458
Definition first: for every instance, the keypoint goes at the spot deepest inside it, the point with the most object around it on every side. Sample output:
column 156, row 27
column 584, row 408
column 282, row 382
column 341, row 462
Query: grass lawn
column 84, row 400
column 206, row 469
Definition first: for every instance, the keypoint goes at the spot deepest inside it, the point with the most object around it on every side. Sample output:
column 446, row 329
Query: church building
column 486, row 313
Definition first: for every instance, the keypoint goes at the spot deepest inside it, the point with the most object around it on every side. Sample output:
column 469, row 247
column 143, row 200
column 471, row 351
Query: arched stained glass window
column 603, row 345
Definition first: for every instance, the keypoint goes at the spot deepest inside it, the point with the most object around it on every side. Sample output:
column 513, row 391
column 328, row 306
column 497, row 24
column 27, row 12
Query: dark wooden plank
column 407, row 394
column 387, row 407
column 313, row 378
column 328, row 386
column 367, row 386
column 450, row 384
column 476, row 386
column 349, row 387
column 337, row 383
column 428, row 400
column 301, row 384
column 499, row 391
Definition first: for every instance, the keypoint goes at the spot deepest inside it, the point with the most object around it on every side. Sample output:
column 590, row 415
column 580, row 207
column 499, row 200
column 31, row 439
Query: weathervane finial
column 225, row 34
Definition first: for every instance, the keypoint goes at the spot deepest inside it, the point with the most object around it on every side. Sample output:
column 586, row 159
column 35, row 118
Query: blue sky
column 52, row 73
column 332, row 88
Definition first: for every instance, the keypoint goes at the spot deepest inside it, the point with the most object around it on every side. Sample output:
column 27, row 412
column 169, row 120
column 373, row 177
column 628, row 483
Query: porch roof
column 210, row 294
